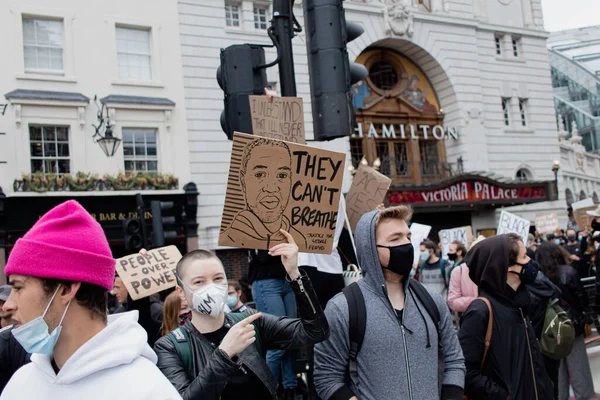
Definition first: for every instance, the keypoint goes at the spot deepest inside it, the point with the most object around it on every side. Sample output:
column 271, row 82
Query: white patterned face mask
column 209, row 300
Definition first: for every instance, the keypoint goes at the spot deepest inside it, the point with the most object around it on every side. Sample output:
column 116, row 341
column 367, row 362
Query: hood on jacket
column 543, row 287
column 488, row 264
column 366, row 249
column 121, row 342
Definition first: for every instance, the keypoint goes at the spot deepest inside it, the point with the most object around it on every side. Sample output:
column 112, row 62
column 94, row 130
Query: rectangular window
column 260, row 18
column 139, row 150
column 523, row 111
column 383, row 154
column 356, row 150
column 498, row 40
column 429, row 158
column 515, row 46
column 401, row 159
column 133, row 54
column 49, row 149
column 505, row 111
column 43, row 42
column 232, row 15
column 426, row 4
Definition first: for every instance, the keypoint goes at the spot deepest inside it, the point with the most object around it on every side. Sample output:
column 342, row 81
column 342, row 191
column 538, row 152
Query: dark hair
column 193, row 255
column 258, row 143
column 92, row 297
column 236, row 285
column 460, row 247
column 550, row 256
column 430, row 245
column 513, row 247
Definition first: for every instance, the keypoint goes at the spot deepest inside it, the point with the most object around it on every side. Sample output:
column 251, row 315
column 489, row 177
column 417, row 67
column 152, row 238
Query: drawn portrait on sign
column 265, row 178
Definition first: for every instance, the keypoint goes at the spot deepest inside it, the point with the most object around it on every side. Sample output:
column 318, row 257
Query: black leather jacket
column 212, row 368
column 12, row 356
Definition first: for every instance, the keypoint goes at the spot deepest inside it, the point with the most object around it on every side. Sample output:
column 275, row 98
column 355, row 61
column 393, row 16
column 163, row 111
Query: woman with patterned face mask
column 219, row 355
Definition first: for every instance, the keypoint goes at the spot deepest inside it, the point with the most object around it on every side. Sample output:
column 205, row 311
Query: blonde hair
column 404, row 213
column 171, row 311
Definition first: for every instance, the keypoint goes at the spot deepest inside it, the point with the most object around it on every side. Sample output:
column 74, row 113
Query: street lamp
column 108, row 143
column 555, row 168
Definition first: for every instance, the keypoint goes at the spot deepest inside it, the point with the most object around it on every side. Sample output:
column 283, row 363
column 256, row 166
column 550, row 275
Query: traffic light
column 241, row 73
column 159, row 223
column 331, row 73
column 133, row 234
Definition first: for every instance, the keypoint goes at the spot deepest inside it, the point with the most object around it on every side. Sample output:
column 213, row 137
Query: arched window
column 523, row 175
column 595, row 198
column 383, row 75
column 569, row 196
column 582, row 195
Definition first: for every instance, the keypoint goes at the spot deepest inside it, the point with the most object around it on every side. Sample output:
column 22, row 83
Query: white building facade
column 485, row 61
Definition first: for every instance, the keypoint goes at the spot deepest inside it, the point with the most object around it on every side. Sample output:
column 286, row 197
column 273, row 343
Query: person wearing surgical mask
column 234, row 299
column 224, row 352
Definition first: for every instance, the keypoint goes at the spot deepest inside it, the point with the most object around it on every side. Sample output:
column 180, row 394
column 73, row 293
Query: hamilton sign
column 404, row 131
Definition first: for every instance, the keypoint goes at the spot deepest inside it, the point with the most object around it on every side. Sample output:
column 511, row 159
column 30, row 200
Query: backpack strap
column 181, row 340
column 488, row 332
column 240, row 316
column 357, row 315
column 425, row 298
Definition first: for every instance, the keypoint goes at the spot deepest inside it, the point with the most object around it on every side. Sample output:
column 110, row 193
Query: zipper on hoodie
column 410, row 394
column 530, row 354
column 302, row 290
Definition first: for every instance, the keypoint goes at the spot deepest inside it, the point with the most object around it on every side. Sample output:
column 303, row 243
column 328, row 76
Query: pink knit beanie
column 66, row 243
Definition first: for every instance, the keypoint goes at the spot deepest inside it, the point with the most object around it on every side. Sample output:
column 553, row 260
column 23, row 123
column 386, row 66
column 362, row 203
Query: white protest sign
column 546, row 223
column 511, row 223
column 582, row 203
column 144, row 276
column 419, row 232
column 464, row 234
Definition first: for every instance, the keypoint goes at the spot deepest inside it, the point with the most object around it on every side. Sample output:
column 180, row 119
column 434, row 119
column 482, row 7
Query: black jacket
column 211, row 366
column 574, row 297
column 12, row 356
column 542, row 290
column 514, row 367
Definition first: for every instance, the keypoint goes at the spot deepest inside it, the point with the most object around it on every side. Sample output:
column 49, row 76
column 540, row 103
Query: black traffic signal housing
column 242, row 73
column 331, row 72
column 163, row 228
column 132, row 230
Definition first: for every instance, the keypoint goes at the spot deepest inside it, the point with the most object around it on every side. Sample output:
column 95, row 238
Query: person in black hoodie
column 513, row 367
column 541, row 291
column 12, row 356
column 554, row 262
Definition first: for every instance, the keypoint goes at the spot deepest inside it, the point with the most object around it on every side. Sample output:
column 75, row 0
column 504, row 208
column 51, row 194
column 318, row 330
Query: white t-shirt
column 328, row 263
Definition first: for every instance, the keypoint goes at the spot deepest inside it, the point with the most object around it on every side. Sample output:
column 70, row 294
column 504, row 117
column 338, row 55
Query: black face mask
column 595, row 225
column 452, row 256
column 402, row 258
column 572, row 238
column 528, row 273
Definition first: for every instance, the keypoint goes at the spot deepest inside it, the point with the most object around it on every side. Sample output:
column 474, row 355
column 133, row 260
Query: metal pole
column 283, row 25
column 141, row 210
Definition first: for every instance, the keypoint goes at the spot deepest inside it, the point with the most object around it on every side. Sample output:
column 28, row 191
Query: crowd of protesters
column 473, row 325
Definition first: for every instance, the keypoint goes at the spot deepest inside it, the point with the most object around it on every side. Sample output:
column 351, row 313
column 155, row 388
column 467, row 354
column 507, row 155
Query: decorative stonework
column 505, row 2
column 399, row 18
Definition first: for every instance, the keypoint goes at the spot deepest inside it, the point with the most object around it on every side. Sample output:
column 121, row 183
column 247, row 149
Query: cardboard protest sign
column 511, row 223
column 144, row 276
column 546, row 223
column 419, row 232
column 584, row 221
column 281, row 119
column 582, row 203
column 464, row 234
column 368, row 190
column 277, row 185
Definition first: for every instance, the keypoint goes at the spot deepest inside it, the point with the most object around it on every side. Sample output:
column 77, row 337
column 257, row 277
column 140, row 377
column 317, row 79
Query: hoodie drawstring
column 422, row 317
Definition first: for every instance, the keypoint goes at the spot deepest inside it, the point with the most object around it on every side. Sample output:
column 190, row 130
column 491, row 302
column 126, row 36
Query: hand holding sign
column 240, row 336
column 289, row 255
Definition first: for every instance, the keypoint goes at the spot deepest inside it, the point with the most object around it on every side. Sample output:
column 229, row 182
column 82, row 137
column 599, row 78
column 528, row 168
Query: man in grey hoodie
column 401, row 356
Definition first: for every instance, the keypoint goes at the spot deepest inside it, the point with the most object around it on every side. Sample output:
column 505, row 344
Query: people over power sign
column 276, row 185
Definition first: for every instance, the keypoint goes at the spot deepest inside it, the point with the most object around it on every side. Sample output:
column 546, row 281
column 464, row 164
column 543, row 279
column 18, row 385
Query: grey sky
column 569, row 14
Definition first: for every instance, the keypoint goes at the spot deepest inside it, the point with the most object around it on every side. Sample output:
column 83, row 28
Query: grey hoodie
column 388, row 367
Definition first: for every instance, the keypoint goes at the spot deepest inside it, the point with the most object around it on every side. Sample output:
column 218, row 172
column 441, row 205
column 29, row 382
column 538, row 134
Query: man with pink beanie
column 60, row 273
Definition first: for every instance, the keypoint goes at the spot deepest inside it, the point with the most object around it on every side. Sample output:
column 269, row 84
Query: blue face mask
column 425, row 256
column 34, row 336
column 557, row 241
column 232, row 301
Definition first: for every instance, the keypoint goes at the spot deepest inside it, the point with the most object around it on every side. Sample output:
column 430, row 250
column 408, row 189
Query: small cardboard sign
column 511, row 223
column 464, row 234
column 281, row 119
column 546, row 223
column 419, row 232
column 584, row 221
column 368, row 190
column 277, row 185
column 144, row 276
